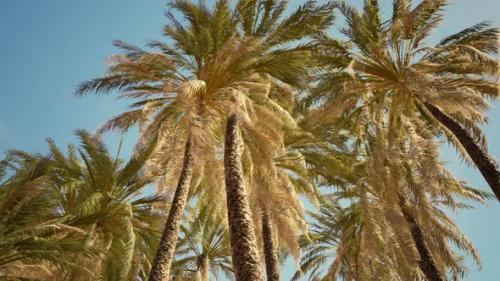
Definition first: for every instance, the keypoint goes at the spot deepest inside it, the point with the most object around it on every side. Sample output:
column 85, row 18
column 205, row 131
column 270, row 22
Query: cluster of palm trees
column 262, row 137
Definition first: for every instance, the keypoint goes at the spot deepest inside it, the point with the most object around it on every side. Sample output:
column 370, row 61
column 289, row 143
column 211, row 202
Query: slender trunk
column 246, row 262
column 270, row 252
column 203, row 268
column 160, row 270
column 483, row 161
column 426, row 263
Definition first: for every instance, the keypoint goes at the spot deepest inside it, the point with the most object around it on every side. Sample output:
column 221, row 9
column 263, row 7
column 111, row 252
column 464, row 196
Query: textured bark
column 246, row 264
column 485, row 164
column 270, row 253
column 427, row 263
column 160, row 270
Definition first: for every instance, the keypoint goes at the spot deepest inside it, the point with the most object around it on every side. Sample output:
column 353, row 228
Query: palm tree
column 323, row 241
column 375, row 222
column 173, row 107
column 204, row 246
column 448, row 84
column 354, row 243
column 388, row 70
column 35, row 239
column 209, row 51
column 102, row 194
column 276, row 187
column 274, row 58
column 277, row 211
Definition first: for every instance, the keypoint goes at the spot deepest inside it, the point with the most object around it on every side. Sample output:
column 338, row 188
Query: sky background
column 48, row 47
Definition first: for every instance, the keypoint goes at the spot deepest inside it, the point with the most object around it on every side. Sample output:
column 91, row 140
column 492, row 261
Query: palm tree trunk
column 203, row 268
column 485, row 164
column 427, row 263
column 270, row 253
column 160, row 270
column 246, row 262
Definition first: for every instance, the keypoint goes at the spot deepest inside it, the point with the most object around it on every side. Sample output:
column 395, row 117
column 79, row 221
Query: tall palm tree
column 277, row 212
column 173, row 106
column 273, row 175
column 447, row 84
column 375, row 222
column 101, row 194
column 224, row 60
column 390, row 74
column 275, row 58
column 35, row 239
column 364, row 241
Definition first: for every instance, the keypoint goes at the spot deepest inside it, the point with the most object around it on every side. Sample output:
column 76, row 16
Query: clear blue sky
column 48, row 47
